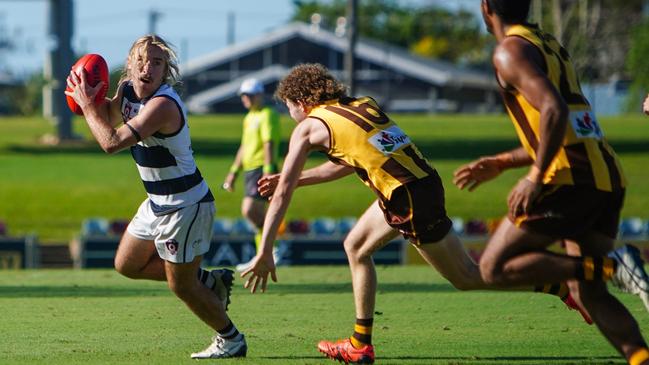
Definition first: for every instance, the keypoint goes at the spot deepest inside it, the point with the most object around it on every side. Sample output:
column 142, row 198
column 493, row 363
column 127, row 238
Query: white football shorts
column 179, row 236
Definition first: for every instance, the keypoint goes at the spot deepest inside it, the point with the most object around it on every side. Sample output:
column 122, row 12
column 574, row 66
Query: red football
column 96, row 70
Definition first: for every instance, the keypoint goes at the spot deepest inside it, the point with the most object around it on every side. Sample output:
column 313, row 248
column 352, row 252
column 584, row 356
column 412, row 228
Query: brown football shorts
column 569, row 211
column 417, row 210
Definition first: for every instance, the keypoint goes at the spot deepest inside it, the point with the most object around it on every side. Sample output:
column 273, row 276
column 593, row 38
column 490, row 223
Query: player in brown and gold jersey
column 574, row 189
column 359, row 137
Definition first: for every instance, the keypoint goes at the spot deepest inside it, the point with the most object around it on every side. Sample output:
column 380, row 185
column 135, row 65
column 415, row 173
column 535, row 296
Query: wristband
column 270, row 168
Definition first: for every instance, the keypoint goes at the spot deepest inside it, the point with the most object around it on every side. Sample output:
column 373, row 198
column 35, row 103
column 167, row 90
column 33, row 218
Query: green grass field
column 98, row 317
column 50, row 190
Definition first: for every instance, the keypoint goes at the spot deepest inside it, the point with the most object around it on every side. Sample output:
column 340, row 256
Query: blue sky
column 195, row 27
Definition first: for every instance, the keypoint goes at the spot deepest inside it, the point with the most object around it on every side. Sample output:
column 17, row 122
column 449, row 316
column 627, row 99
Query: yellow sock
column 362, row 333
column 639, row 356
column 596, row 268
column 561, row 289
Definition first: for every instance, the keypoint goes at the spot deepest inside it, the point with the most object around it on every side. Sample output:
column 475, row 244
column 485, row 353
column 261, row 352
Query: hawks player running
column 575, row 187
column 358, row 137
column 172, row 228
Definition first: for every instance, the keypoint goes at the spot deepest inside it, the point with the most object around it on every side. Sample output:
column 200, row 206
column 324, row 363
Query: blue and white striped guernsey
column 165, row 161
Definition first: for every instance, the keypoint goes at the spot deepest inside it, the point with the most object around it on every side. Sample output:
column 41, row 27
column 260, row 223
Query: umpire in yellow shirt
column 258, row 154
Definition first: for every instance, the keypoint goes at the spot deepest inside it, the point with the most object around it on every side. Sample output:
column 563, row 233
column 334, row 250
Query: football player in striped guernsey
column 172, row 228
column 574, row 187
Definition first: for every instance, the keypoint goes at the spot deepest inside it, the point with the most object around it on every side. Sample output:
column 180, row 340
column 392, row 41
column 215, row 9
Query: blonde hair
column 138, row 48
column 310, row 84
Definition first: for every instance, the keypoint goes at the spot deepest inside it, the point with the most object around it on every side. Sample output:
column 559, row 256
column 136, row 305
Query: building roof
column 199, row 102
column 396, row 59
column 435, row 71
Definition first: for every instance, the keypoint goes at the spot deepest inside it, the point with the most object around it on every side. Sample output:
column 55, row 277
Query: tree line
column 608, row 39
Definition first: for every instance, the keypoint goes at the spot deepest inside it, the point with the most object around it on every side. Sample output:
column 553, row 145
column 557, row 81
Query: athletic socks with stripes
column 205, row 278
column 362, row 333
column 596, row 268
column 230, row 332
column 560, row 289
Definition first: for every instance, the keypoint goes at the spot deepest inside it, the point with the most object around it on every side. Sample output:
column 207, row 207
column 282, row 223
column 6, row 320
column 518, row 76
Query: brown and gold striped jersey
column 585, row 157
column 363, row 137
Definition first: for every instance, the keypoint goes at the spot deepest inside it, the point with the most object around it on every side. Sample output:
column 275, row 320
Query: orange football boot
column 342, row 350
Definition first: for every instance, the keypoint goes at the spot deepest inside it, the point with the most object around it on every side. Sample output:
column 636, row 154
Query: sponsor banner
column 18, row 252
column 229, row 251
column 11, row 260
column 99, row 252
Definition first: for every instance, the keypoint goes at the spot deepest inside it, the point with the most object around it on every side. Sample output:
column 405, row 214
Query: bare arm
column 114, row 105
column 519, row 65
column 161, row 114
column 270, row 161
column 328, row 171
column 473, row 174
column 230, row 179
column 294, row 163
column 236, row 164
column 269, row 130
column 309, row 135
column 518, row 157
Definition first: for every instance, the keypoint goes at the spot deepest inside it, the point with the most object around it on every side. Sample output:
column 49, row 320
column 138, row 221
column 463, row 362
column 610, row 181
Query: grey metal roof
column 436, row 72
column 200, row 102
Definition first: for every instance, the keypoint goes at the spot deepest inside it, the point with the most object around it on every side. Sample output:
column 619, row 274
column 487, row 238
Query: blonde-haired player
column 172, row 229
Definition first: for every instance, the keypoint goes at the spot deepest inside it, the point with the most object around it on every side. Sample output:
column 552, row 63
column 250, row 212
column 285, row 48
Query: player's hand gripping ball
column 96, row 70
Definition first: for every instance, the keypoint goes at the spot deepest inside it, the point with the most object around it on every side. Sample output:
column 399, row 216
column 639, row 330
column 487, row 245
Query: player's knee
column 355, row 251
column 122, row 268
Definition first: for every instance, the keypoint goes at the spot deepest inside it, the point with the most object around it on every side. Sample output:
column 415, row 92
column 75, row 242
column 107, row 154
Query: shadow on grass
column 325, row 288
column 476, row 359
column 442, row 149
column 276, row 289
column 78, row 291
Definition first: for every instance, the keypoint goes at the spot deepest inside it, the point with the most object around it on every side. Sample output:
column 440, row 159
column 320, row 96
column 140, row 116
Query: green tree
column 27, row 99
column 429, row 31
column 638, row 66
column 597, row 33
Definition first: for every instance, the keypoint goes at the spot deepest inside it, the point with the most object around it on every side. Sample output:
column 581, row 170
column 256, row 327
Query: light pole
column 352, row 21
column 57, row 66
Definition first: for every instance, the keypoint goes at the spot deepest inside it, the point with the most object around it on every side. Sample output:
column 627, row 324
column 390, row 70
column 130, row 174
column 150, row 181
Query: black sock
column 230, row 332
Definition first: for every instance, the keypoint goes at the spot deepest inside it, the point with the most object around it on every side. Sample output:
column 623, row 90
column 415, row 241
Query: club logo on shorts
column 172, row 246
